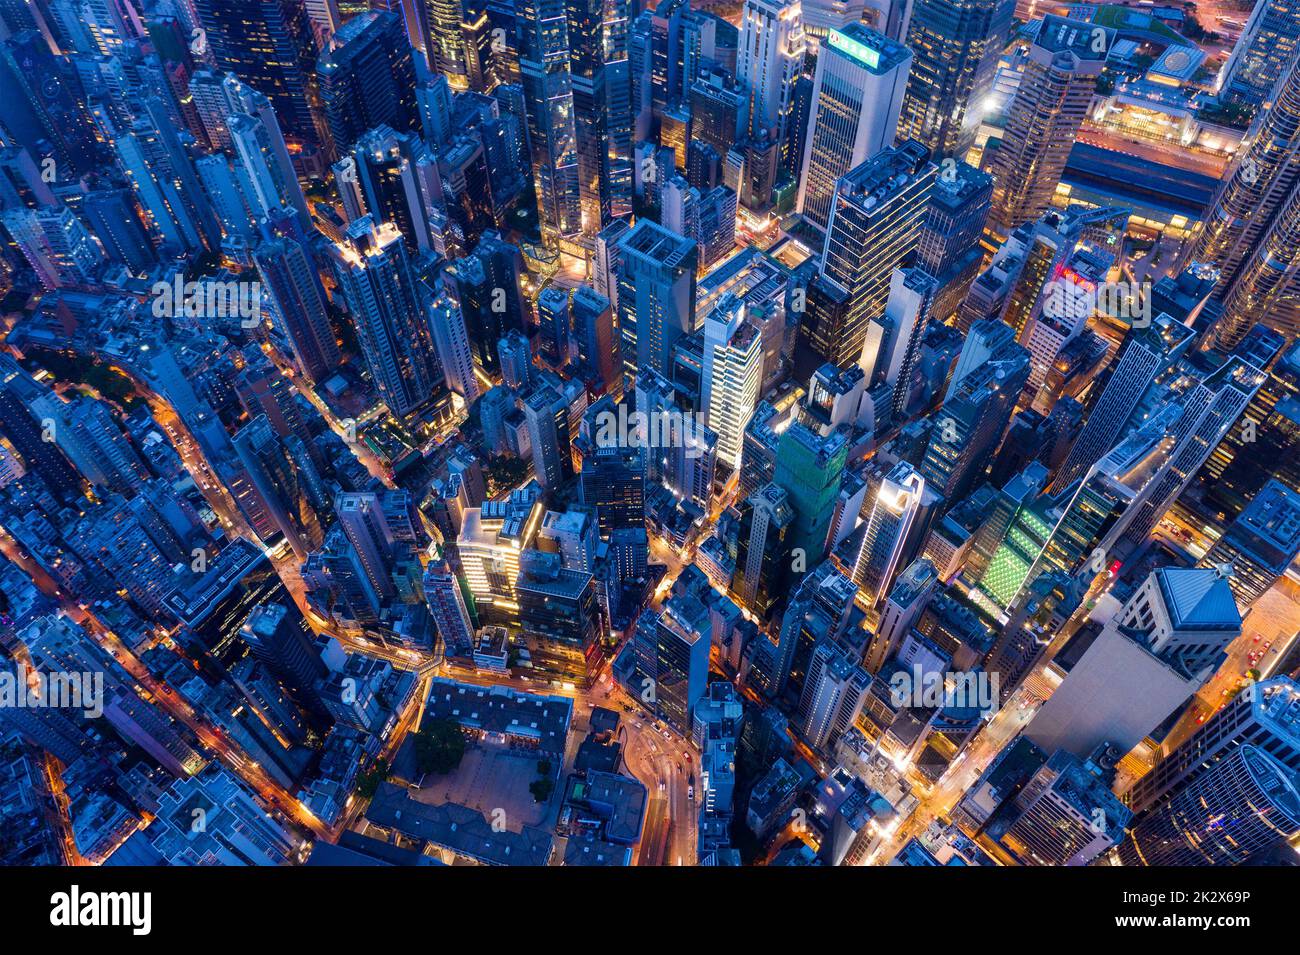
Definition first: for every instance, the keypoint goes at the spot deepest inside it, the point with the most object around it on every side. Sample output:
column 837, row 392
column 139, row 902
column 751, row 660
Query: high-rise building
column 1266, row 715
column 384, row 173
column 732, row 376
column 875, row 222
column 597, row 338
column 1147, row 660
column 382, row 296
column 1260, row 544
column 1250, row 197
column 492, row 537
column 975, row 412
column 719, row 110
column 591, row 114
column 769, row 58
column 268, row 44
column 1146, row 354
column 1064, row 815
column 26, row 435
column 1261, row 54
column 656, row 295
column 857, row 93
column 810, row 468
column 486, row 285
column 1243, row 805
column 277, row 487
column 556, row 322
column 298, row 306
column 613, row 482
column 956, row 44
column 762, row 552
column 367, row 79
column 949, row 245
column 889, row 355
column 1208, row 409
column 889, row 532
column 435, row 30
column 1055, row 92
column 280, row 637
column 447, row 607
column 85, row 431
column 546, row 411
column 546, row 75
column 672, row 653
column 59, row 249
column 833, row 694
column 451, row 340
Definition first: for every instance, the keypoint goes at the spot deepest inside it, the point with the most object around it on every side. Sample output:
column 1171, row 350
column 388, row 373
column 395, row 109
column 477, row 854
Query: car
column 1258, row 637
column 690, row 792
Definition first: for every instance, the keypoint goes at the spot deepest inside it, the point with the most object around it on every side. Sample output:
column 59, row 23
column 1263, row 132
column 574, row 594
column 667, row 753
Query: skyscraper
column 547, row 414
column 40, row 456
column 546, row 74
column 591, row 114
column 732, row 376
column 1158, row 650
column 875, row 221
column 1206, row 411
column 1244, row 804
column 268, row 44
column 656, row 295
column 1064, row 815
column 1261, row 54
column 768, row 60
column 1061, row 73
column 1145, row 354
column 1266, row 715
column 367, row 79
column 888, row 532
column 383, row 299
column 451, row 341
column 673, row 654
column 597, row 338
column 833, row 694
column 810, row 467
column 762, row 551
column 857, row 93
column 949, row 246
column 975, row 412
column 485, row 284
column 435, row 30
column 613, row 482
column 956, row 44
column 298, row 306
column 1260, row 544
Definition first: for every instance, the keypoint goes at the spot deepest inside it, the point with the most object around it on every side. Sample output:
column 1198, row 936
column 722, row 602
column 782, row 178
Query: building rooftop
column 459, row 829
column 1198, row 599
column 500, row 709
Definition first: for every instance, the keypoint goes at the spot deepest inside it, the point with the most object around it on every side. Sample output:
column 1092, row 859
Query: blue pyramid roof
column 1198, row 598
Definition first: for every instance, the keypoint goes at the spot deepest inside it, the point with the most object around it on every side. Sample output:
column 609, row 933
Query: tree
column 369, row 782
column 439, row 747
column 505, row 473
column 543, row 767
column 541, row 789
